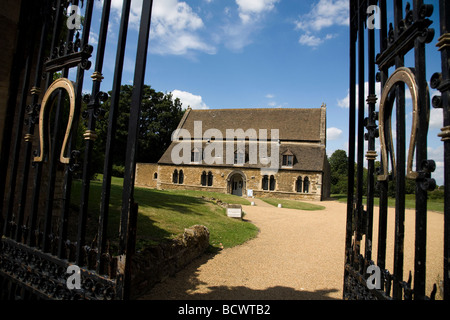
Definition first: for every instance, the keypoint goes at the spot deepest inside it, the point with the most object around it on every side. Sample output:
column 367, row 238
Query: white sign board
column 234, row 211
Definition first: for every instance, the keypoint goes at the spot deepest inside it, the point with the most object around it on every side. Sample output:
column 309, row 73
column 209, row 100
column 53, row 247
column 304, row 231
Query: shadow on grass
column 163, row 200
column 153, row 234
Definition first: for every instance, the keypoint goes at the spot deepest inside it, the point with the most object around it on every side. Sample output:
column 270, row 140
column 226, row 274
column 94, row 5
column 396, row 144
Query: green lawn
column 293, row 204
column 410, row 202
column 165, row 214
column 227, row 198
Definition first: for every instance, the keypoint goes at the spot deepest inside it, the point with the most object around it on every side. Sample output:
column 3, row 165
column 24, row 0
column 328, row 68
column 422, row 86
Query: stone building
column 272, row 152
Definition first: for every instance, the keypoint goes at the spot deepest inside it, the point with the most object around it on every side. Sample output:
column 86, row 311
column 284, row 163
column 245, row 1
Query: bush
column 436, row 194
column 118, row 171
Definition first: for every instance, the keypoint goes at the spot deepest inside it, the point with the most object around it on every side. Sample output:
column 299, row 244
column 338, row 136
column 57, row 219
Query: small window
column 210, row 179
column 272, row 183
column 196, row 156
column 155, row 175
column 203, row 179
column 181, row 177
column 265, row 183
column 175, row 176
column 298, row 184
column 288, row 160
column 239, row 157
column 306, row 185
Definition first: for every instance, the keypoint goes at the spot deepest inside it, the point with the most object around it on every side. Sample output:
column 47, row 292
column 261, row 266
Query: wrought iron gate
column 42, row 233
column 408, row 32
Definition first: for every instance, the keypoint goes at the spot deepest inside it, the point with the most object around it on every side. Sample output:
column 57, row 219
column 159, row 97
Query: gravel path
column 297, row 255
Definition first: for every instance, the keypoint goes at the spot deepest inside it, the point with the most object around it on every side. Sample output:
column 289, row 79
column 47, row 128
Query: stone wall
column 285, row 180
column 145, row 175
column 156, row 263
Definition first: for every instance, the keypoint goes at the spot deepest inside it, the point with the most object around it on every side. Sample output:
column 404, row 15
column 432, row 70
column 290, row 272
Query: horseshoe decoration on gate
column 406, row 76
column 65, row 84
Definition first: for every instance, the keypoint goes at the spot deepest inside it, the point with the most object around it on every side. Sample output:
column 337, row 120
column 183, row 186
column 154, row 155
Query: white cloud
column 310, row 40
column 135, row 11
column 436, row 118
column 236, row 36
column 333, row 133
column 189, row 99
column 240, row 25
column 175, row 26
column 93, row 38
column 345, row 102
column 175, row 29
column 323, row 14
column 436, row 115
column 437, row 154
column 251, row 9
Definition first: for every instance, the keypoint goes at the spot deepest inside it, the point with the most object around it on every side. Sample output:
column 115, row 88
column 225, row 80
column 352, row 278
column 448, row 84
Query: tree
column 339, row 162
column 339, row 172
column 160, row 115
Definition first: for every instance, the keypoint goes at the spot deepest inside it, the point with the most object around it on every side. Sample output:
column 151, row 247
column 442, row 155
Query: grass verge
column 165, row 214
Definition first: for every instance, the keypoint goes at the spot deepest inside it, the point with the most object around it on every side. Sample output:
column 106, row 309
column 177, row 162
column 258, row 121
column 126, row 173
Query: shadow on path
column 185, row 285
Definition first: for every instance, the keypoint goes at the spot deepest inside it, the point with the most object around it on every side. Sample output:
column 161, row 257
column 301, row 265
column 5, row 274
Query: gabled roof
column 294, row 124
column 301, row 133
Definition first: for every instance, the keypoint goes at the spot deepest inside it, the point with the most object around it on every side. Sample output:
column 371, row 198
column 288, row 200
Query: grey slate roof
column 299, row 133
column 293, row 124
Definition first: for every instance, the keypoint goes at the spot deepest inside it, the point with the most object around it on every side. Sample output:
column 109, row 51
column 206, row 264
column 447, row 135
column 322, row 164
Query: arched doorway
column 236, row 183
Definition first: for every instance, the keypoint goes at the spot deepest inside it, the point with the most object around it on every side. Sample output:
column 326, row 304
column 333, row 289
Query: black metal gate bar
column 36, row 248
column 17, row 233
column 370, row 123
column 400, row 165
column 409, row 33
column 49, row 236
column 444, row 48
column 382, row 185
column 82, row 215
column 129, row 207
column 37, row 236
column 106, row 187
column 68, row 172
column 351, row 128
column 360, row 136
column 421, row 155
column 16, row 72
column 33, row 110
column 14, row 80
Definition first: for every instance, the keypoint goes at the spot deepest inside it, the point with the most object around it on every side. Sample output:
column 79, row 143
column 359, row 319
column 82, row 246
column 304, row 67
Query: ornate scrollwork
column 401, row 39
column 68, row 55
column 46, row 276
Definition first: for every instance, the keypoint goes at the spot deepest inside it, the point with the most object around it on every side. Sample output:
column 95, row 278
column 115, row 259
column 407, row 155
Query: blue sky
column 254, row 54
